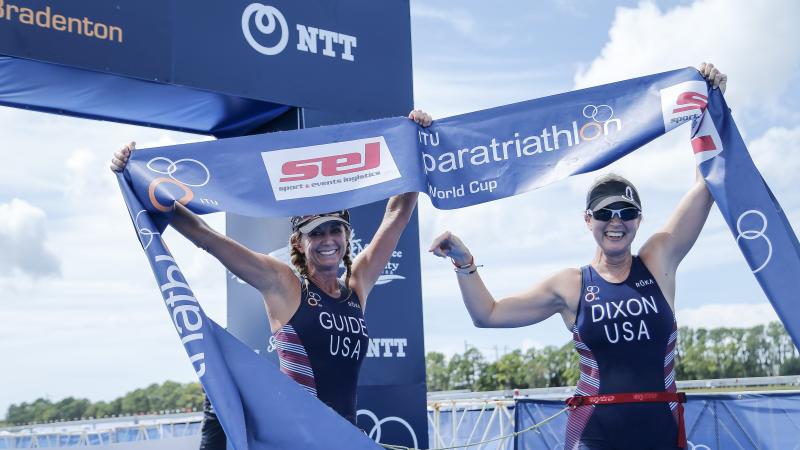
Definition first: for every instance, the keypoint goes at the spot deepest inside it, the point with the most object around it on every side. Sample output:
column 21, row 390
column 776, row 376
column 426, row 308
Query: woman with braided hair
column 317, row 319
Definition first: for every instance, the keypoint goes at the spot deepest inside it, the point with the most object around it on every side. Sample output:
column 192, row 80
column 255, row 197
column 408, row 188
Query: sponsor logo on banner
column 266, row 30
column 706, row 142
column 375, row 433
column 683, row 102
column 329, row 168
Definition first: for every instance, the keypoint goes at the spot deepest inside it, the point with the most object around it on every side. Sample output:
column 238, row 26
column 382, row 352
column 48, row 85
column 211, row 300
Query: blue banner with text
column 458, row 161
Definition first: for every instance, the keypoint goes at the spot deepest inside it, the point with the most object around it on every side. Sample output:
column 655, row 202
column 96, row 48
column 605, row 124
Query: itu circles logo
column 592, row 294
column 601, row 122
column 267, row 20
column 376, row 430
column 754, row 234
column 184, row 173
column 601, row 113
column 314, row 299
column 693, row 446
column 146, row 235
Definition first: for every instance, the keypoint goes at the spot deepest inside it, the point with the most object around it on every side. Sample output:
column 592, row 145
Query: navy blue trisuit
column 323, row 345
column 625, row 336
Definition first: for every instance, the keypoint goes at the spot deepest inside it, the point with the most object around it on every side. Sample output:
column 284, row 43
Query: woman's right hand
column 120, row 158
column 448, row 245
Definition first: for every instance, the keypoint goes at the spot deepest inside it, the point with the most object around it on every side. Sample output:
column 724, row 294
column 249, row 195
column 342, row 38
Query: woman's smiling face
column 614, row 236
column 325, row 245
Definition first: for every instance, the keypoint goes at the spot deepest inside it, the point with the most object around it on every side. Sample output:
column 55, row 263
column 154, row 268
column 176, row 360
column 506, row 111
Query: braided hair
column 299, row 259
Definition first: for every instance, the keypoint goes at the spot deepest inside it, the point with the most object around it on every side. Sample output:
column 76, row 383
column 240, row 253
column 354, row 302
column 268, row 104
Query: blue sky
column 97, row 330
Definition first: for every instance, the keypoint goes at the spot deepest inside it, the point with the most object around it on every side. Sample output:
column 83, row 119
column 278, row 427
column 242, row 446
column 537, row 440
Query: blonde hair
column 299, row 259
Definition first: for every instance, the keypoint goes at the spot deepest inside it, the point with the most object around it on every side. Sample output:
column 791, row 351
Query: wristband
column 467, row 269
column 465, row 266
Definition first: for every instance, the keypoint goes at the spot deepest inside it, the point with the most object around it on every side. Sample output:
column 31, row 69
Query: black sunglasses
column 606, row 214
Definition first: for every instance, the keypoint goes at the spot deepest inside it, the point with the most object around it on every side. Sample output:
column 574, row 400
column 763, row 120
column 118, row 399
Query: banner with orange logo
column 458, row 161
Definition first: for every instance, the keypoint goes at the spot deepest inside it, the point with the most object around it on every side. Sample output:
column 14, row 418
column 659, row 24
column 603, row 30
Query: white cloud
column 665, row 165
column 104, row 315
column 727, row 315
column 759, row 48
column 443, row 89
column 459, row 19
column 23, row 240
column 87, row 183
column 775, row 154
column 646, row 39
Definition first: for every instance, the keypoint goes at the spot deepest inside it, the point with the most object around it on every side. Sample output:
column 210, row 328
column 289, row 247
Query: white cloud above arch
column 759, row 47
column 23, row 241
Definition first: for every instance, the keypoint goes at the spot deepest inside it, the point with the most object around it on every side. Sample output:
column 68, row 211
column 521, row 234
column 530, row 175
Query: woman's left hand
column 421, row 117
column 713, row 76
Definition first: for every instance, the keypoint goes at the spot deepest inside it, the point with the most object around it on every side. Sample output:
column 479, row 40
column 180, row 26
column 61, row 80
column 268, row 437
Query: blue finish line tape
column 459, row 161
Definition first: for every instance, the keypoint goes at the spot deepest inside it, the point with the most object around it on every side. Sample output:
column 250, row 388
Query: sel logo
column 331, row 168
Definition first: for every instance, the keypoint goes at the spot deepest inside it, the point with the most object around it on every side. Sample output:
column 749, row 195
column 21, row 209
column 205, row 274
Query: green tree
column 436, row 373
column 510, row 371
column 790, row 367
column 552, row 366
column 465, row 369
column 152, row 399
column 72, row 408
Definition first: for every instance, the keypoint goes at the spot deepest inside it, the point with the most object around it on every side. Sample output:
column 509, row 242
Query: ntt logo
column 266, row 30
column 268, row 20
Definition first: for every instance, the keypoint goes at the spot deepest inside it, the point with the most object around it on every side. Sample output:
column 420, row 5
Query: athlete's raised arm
column 555, row 294
column 674, row 240
column 270, row 276
column 369, row 264
column 664, row 251
column 274, row 279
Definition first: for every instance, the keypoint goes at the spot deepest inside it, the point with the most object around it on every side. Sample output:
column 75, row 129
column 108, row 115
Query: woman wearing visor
column 309, row 306
column 619, row 308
